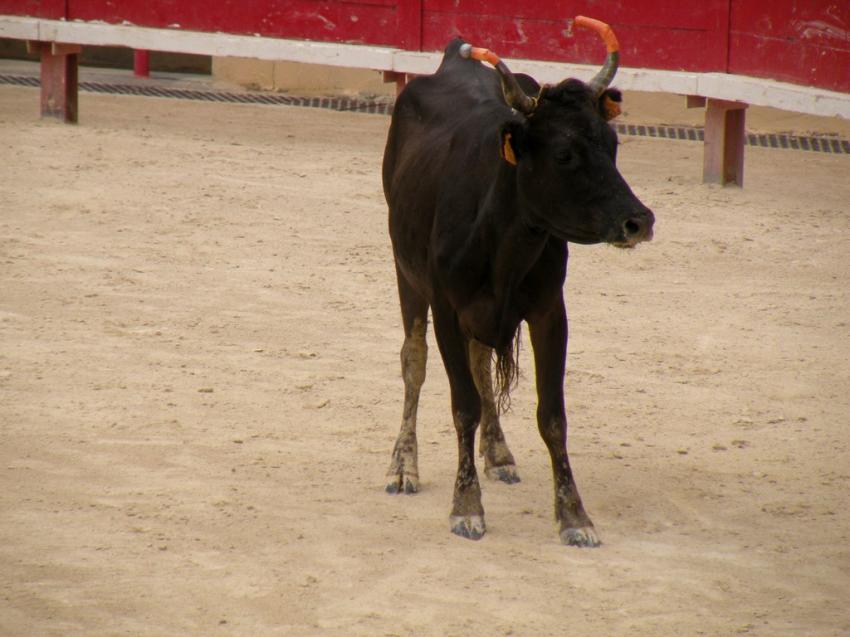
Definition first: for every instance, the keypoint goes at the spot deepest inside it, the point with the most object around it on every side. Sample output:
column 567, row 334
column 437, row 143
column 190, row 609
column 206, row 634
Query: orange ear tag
column 508, row 151
column 611, row 108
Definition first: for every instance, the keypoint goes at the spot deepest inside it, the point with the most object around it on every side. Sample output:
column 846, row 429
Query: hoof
column 402, row 484
column 506, row 473
column 582, row 537
column 470, row 526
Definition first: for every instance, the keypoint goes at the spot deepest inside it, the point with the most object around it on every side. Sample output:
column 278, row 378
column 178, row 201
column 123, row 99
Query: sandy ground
column 199, row 393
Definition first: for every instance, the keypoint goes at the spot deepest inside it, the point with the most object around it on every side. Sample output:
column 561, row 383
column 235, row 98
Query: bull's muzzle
column 637, row 228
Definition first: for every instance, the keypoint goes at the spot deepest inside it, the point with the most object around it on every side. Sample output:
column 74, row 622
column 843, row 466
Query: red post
column 141, row 63
column 723, row 144
column 59, row 79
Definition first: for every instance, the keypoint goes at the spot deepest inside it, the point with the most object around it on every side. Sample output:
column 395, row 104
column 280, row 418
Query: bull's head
column 564, row 153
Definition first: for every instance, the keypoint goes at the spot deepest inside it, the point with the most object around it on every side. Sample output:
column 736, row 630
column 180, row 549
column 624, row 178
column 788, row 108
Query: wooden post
column 400, row 80
column 723, row 142
column 59, row 79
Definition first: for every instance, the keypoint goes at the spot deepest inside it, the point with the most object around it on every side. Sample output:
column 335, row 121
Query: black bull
column 482, row 202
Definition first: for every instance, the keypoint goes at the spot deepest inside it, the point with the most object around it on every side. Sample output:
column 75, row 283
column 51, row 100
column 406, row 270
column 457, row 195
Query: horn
column 603, row 78
column 514, row 95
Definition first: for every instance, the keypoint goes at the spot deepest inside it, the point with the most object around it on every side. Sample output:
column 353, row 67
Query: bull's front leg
column 467, row 516
column 549, row 341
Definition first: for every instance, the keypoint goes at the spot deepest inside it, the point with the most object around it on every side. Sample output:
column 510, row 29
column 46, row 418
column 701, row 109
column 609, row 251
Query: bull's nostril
column 631, row 227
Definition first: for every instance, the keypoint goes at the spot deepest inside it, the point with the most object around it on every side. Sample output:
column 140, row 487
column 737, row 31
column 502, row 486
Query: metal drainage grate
column 769, row 140
column 332, row 103
column 384, row 107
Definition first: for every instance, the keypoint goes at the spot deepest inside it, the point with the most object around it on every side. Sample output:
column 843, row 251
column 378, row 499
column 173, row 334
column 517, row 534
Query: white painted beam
column 782, row 95
column 201, row 43
column 18, row 28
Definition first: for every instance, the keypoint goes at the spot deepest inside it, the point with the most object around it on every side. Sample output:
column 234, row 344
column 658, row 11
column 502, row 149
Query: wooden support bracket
column 400, row 79
column 723, row 143
column 59, row 79
column 696, row 101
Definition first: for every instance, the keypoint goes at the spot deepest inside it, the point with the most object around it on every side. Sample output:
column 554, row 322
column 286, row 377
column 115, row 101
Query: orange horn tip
column 605, row 32
column 477, row 53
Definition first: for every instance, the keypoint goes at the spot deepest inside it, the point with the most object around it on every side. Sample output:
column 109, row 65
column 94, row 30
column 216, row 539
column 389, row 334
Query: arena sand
column 199, row 393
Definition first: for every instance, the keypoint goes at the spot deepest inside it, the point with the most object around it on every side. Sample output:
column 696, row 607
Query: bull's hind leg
column 498, row 461
column 403, row 474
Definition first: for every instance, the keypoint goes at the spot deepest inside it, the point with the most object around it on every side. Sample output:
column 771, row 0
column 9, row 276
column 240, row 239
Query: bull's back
column 438, row 128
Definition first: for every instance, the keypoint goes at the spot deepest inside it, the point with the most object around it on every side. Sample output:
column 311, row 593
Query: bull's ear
column 609, row 103
column 513, row 139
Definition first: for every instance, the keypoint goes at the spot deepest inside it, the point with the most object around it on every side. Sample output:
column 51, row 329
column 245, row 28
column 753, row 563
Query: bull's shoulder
column 460, row 87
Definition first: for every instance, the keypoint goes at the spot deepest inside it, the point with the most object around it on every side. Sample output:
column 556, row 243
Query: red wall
column 364, row 22
column 801, row 41
column 681, row 36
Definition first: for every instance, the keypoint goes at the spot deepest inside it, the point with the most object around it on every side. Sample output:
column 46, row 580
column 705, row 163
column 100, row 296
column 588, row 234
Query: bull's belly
column 488, row 321
column 410, row 237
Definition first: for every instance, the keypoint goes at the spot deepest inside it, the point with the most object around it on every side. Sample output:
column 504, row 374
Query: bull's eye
column 564, row 157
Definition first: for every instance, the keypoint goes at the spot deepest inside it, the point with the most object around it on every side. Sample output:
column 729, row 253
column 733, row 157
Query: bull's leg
column 549, row 340
column 498, row 460
column 403, row 474
column 467, row 516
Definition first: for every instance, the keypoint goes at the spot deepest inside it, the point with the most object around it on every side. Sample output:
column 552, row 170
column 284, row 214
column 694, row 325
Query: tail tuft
column 507, row 372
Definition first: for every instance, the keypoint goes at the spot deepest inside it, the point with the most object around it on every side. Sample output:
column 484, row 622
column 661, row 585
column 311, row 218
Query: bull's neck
column 508, row 248
column 516, row 247
column 515, row 244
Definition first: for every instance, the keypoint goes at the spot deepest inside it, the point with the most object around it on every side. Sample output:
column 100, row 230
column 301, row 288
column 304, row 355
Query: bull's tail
column 507, row 372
